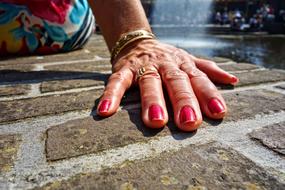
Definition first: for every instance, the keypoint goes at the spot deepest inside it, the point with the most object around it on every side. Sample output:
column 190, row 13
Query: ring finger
column 210, row 99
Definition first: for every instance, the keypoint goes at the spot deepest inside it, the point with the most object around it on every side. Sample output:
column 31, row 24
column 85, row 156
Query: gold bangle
column 129, row 38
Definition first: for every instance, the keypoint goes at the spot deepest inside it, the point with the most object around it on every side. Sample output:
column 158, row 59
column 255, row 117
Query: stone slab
column 101, row 51
column 239, row 67
column 218, row 60
column 61, row 85
column 258, row 77
column 94, row 66
column 221, row 59
column 17, row 67
column 80, row 54
column 13, row 76
column 91, row 135
column 13, row 90
column 95, row 47
column 247, row 104
column 47, row 105
column 272, row 137
column 209, row 166
column 9, row 145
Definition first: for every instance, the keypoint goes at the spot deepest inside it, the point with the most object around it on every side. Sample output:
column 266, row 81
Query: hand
column 151, row 64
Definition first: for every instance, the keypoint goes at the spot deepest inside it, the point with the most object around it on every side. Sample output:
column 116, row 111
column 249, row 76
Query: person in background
column 218, row 18
column 137, row 57
column 225, row 17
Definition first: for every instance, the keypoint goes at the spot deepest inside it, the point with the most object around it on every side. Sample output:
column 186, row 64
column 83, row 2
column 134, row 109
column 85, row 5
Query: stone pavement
column 51, row 138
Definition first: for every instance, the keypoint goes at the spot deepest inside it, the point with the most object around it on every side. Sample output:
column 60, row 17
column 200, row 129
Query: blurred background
column 250, row 31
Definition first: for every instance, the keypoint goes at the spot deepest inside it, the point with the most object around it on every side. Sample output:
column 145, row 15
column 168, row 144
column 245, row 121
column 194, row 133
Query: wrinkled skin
column 188, row 81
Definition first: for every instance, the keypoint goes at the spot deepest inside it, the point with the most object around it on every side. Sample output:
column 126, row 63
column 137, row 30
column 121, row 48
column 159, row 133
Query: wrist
column 129, row 39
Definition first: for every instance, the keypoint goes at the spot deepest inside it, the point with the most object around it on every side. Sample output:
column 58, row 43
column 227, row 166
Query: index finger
column 117, row 85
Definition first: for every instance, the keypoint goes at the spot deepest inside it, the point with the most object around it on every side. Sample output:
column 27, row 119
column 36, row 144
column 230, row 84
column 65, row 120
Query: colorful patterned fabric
column 44, row 26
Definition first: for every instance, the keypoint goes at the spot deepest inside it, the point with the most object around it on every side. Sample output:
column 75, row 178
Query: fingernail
column 187, row 114
column 216, row 106
column 105, row 105
column 155, row 113
column 234, row 80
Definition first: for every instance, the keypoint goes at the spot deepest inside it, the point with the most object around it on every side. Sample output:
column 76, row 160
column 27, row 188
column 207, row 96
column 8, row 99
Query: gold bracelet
column 129, row 38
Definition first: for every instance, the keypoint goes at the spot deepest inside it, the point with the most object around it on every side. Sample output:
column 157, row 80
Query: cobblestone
column 90, row 66
column 9, row 145
column 272, row 137
column 209, row 166
column 257, row 77
column 19, row 67
column 91, row 135
column 61, row 85
column 246, row 104
column 239, row 67
column 47, row 105
column 12, row 90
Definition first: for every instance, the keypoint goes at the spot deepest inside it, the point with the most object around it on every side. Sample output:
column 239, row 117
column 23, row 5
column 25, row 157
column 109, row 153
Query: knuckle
column 161, row 56
column 211, row 63
column 175, row 75
column 194, row 73
column 149, row 96
column 119, row 75
column 185, row 96
column 150, row 75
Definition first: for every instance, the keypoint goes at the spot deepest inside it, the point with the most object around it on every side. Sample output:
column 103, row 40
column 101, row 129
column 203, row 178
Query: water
column 180, row 12
column 266, row 51
column 182, row 23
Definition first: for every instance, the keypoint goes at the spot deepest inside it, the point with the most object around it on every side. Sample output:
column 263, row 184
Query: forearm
column 116, row 17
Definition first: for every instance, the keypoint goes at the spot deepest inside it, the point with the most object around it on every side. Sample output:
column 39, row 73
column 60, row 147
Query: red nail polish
column 216, row 106
column 187, row 114
column 105, row 105
column 155, row 113
column 234, row 80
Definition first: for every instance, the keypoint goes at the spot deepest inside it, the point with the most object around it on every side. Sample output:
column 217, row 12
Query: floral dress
column 44, row 26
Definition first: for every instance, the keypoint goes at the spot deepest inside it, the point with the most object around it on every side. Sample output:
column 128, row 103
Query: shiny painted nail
column 215, row 106
column 187, row 114
column 104, row 107
column 155, row 113
column 234, row 80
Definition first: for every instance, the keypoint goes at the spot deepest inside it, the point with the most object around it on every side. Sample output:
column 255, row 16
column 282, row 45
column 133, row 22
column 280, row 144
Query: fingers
column 215, row 73
column 154, row 112
column 186, row 108
column 118, row 83
column 211, row 101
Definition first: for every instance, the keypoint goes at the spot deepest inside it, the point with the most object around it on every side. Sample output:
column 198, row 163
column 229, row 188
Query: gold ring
column 143, row 70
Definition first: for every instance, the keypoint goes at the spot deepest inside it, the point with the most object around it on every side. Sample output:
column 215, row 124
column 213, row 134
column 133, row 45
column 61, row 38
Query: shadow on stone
column 135, row 118
column 212, row 122
column 30, row 77
column 225, row 86
column 130, row 103
column 94, row 110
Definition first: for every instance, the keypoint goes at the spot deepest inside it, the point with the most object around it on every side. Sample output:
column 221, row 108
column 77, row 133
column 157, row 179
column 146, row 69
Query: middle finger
column 186, row 108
